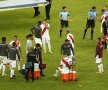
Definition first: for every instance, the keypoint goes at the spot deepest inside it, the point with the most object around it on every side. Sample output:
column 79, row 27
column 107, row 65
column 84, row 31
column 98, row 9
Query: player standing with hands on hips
column 90, row 22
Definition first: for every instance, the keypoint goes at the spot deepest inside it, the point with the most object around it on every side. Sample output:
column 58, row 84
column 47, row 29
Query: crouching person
column 65, row 66
column 29, row 66
column 13, row 51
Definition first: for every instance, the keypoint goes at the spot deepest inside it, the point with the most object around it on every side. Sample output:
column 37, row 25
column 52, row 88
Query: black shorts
column 64, row 23
column 90, row 23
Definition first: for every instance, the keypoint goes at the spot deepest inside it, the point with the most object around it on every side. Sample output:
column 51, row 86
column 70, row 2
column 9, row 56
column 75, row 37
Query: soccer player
column 90, row 22
column 29, row 43
column 102, row 18
column 37, row 32
column 99, row 55
column 45, row 35
column 70, row 37
column 67, row 49
column 106, row 10
column 18, row 46
column 13, row 51
column 3, row 55
column 105, row 29
column 64, row 19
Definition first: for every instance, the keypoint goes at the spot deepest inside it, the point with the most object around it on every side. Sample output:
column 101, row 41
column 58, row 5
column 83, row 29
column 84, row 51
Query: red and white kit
column 45, row 36
column 70, row 37
column 102, row 20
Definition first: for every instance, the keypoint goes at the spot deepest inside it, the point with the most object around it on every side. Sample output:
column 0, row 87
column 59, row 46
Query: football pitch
column 19, row 22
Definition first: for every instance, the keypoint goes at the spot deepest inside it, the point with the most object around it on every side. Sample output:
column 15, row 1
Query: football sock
column 84, row 33
column 60, row 32
column 3, row 72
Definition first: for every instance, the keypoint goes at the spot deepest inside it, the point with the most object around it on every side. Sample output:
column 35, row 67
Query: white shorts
column 4, row 59
column 13, row 64
column 98, row 60
column 38, row 40
column 45, row 39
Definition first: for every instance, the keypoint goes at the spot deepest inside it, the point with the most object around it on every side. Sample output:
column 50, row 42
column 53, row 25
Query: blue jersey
column 92, row 15
column 64, row 15
column 106, row 13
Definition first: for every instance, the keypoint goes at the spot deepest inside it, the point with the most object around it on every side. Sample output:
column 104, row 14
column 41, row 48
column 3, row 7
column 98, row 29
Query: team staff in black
column 90, row 22
column 38, row 52
column 31, row 59
column 37, row 12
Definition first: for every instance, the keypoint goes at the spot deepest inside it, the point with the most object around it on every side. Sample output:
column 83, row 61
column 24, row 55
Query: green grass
column 19, row 22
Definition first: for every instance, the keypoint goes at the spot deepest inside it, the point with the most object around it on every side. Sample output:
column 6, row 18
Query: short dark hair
column 14, row 44
column 66, row 40
column 29, row 35
column 37, row 45
column 102, row 10
column 3, row 39
column 63, row 7
column 93, row 7
column 99, row 39
column 39, row 22
column 15, row 36
column 106, row 17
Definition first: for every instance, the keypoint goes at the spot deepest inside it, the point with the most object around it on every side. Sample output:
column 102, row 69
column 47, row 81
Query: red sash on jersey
column 66, row 63
column 43, row 31
column 71, row 38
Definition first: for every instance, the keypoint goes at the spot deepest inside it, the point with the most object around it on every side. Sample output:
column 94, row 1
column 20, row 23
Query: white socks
column 11, row 73
column 107, row 48
column 1, row 65
column 18, row 64
column 3, row 71
column 100, row 67
column 44, row 46
column 49, row 47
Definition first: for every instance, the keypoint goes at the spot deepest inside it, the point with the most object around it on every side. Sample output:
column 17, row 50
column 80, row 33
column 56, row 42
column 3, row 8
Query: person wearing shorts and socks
column 13, row 51
column 90, row 22
column 64, row 19
column 18, row 46
column 37, row 32
column 3, row 55
column 99, row 55
column 45, row 35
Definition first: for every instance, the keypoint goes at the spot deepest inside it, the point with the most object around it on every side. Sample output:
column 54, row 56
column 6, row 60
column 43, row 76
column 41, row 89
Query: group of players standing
column 40, row 34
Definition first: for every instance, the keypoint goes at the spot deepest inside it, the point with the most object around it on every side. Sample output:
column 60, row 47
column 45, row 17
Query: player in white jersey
column 102, row 17
column 65, row 66
column 29, row 43
column 70, row 37
column 45, row 35
column 18, row 46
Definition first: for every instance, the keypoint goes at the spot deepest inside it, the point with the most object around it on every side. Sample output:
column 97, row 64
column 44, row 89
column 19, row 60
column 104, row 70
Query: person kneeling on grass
column 65, row 66
column 99, row 55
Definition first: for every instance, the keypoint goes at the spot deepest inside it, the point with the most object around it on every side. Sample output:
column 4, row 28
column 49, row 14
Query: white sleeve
column 11, row 43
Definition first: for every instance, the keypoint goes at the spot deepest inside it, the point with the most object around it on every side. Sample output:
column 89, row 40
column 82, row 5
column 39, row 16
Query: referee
column 64, row 19
column 90, row 22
